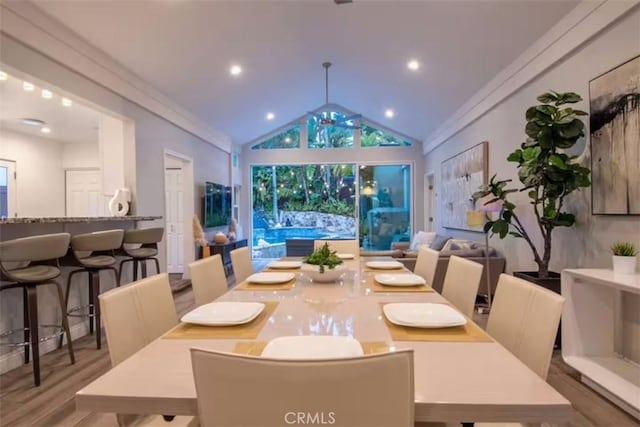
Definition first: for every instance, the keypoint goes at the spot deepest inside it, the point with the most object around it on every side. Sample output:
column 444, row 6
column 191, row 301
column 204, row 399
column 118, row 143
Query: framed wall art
column 462, row 175
column 614, row 100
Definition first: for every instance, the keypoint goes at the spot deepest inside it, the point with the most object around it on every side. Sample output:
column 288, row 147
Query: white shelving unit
column 593, row 329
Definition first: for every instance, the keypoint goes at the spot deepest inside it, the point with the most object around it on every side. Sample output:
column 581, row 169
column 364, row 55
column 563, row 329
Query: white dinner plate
column 384, row 265
column 285, row 264
column 345, row 256
column 224, row 313
column 423, row 315
column 312, row 347
column 269, row 278
column 403, row 279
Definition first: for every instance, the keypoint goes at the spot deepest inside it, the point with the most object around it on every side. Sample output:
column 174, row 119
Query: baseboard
column 15, row 358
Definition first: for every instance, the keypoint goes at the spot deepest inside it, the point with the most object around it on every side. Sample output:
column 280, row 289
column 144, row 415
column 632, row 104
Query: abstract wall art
column 462, row 175
column 615, row 140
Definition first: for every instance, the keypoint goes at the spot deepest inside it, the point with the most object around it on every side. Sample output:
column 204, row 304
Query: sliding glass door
column 310, row 201
column 385, row 205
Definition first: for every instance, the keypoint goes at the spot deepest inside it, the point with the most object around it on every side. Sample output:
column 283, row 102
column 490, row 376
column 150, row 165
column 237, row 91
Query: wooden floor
column 52, row 404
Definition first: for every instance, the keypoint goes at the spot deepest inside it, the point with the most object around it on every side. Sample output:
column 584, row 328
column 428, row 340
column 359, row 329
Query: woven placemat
column 245, row 331
column 255, row 348
column 470, row 332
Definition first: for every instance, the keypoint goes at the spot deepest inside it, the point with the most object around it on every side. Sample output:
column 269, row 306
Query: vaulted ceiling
column 185, row 49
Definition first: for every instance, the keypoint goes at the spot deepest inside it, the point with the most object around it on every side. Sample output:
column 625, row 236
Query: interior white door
column 84, row 193
column 8, row 206
column 174, row 199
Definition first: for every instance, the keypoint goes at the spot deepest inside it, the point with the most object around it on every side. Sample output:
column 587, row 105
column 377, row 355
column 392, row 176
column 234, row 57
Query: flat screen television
column 217, row 205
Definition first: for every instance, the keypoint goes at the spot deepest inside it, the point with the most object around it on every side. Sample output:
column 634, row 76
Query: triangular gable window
column 290, row 138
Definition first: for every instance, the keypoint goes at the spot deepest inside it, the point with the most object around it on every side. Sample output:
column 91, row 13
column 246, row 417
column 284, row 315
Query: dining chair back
column 136, row 314
column 208, row 280
column 340, row 246
column 461, row 283
column 244, row 391
column 426, row 264
column 524, row 318
column 241, row 263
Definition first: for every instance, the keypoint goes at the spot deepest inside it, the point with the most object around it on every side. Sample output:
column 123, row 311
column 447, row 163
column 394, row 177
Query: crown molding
column 585, row 21
column 25, row 22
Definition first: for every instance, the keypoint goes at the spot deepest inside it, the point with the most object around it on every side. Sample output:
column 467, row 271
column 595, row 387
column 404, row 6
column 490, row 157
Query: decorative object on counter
column 220, row 237
column 624, row 257
column 323, row 265
column 615, row 137
column 546, row 173
column 233, row 225
column 198, row 236
column 119, row 204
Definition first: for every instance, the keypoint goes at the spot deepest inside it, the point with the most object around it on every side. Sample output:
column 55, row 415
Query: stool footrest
column 56, row 334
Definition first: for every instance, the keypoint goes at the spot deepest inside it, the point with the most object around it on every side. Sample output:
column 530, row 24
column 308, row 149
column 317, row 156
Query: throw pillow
column 421, row 238
column 439, row 242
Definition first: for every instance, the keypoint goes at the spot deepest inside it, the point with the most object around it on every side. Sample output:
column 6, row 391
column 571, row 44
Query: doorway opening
column 8, row 208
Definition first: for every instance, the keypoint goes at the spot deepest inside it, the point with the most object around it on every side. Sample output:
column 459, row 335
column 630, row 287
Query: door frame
column 188, row 206
column 430, row 201
column 12, row 196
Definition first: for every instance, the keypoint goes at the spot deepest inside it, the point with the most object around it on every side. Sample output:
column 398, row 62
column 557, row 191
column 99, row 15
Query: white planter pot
column 624, row 264
column 329, row 275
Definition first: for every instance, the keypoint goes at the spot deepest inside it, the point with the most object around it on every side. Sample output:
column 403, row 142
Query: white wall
column 585, row 245
column 40, row 175
column 80, row 156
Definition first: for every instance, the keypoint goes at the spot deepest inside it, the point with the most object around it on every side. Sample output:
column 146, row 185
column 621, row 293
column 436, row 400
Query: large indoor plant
column 546, row 173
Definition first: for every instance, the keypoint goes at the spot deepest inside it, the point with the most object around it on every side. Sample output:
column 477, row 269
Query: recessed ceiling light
column 45, row 130
column 29, row 87
column 46, row 94
column 31, row 122
column 3, row 76
column 235, row 70
column 67, row 102
column 389, row 113
column 270, row 116
column 413, row 65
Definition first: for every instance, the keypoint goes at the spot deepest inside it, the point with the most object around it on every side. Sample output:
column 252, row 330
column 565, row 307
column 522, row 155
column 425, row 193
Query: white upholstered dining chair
column 524, row 318
column 341, row 246
column 241, row 263
column 461, row 283
column 245, row 391
column 208, row 280
column 133, row 316
column 426, row 264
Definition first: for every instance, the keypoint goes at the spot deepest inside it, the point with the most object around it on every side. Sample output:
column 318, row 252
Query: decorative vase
column 220, row 237
column 119, row 204
column 624, row 264
column 329, row 275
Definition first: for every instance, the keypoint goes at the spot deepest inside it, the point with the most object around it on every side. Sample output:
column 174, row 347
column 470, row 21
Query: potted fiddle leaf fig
column 547, row 175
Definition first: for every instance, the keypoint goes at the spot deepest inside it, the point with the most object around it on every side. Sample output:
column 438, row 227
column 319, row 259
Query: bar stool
column 93, row 252
column 148, row 239
column 40, row 253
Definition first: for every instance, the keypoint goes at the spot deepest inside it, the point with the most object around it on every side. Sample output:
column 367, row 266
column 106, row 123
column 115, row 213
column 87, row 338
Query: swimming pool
column 281, row 234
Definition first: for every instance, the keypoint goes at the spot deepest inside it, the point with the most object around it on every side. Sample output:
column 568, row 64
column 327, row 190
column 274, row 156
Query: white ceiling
column 74, row 124
column 185, row 48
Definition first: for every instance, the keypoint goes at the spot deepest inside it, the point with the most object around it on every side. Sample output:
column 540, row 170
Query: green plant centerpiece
column 624, row 249
column 323, row 257
column 547, row 174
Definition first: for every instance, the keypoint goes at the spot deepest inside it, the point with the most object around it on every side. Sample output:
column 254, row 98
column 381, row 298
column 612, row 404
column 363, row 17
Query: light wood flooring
column 52, row 404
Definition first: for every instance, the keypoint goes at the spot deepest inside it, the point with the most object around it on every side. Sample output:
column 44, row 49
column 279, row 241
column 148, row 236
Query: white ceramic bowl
column 329, row 275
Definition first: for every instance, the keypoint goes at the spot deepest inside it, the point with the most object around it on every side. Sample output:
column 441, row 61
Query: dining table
column 461, row 373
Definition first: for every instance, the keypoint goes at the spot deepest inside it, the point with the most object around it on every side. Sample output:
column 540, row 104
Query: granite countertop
column 62, row 220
